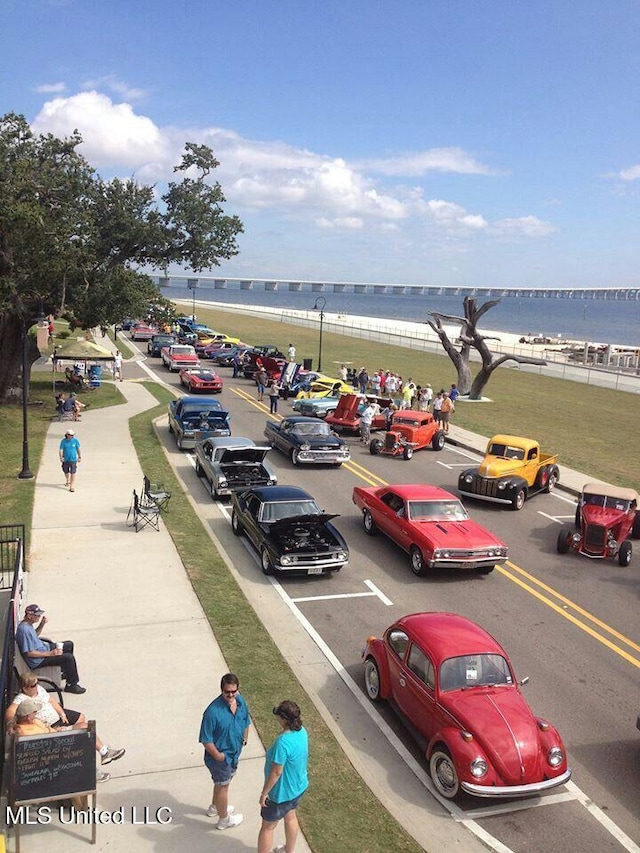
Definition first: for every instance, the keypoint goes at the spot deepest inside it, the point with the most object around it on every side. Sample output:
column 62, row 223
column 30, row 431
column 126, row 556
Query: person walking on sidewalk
column 117, row 366
column 223, row 733
column 70, row 455
column 286, row 779
column 37, row 652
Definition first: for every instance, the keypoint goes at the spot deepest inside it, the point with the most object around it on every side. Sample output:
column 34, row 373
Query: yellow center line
column 577, row 622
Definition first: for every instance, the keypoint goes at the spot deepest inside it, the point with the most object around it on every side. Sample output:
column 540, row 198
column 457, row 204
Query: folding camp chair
column 155, row 493
column 143, row 514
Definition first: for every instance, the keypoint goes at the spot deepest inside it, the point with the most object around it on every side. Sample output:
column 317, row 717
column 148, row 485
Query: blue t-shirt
column 29, row 641
column 225, row 729
column 291, row 751
column 70, row 448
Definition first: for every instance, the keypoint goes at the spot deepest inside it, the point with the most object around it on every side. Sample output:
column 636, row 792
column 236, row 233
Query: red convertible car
column 200, row 379
column 431, row 525
column 455, row 684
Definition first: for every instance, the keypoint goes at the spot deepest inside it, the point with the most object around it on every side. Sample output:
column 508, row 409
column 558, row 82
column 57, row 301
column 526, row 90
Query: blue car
column 192, row 419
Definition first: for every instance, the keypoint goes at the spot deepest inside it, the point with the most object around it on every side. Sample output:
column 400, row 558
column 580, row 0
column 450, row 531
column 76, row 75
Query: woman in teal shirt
column 286, row 780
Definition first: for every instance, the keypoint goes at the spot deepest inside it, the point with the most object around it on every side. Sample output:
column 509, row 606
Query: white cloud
column 115, row 85
column 51, row 88
column 524, row 226
column 413, row 164
column 112, row 133
column 630, row 174
column 271, row 175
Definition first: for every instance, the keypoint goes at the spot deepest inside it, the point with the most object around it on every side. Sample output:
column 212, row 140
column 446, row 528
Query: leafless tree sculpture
column 470, row 337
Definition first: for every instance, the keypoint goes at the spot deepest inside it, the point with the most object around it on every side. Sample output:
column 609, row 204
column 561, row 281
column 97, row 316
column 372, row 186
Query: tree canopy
column 73, row 243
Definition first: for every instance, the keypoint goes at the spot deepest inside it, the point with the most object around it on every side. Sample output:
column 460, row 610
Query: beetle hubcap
column 373, row 682
column 446, row 774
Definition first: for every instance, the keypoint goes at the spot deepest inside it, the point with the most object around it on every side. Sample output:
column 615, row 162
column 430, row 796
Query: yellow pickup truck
column 513, row 469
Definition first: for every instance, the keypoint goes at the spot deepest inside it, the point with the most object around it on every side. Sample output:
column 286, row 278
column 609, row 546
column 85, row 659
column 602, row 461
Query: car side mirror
column 524, row 681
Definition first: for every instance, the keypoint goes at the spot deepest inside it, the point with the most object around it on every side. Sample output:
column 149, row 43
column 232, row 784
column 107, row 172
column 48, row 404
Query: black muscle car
column 307, row 441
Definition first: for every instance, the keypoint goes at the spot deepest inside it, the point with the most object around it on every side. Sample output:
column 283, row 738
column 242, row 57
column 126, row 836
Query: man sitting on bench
column 37, row 652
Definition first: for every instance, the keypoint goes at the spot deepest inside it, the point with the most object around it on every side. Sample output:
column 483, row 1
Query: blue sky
column 452, row 142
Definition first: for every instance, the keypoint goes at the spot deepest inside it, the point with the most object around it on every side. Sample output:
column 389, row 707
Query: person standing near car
column 223, row 733
column 274, row 393
column 262, row 378
column 446, row 410
column 366, row 419
column 286, row 778
column 70, row 455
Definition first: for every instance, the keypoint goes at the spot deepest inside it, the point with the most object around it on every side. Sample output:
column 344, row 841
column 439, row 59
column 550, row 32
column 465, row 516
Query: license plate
column 315, row 570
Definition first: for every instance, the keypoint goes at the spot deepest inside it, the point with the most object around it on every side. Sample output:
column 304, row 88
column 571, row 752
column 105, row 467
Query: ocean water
column 594, row 320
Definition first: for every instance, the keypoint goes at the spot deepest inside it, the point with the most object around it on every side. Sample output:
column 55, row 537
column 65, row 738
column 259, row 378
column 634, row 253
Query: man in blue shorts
column 70, row 455
column 223, row 733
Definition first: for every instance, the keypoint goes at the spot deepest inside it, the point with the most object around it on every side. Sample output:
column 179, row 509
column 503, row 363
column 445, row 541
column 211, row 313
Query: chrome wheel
column 444, row 774
column 372, row 679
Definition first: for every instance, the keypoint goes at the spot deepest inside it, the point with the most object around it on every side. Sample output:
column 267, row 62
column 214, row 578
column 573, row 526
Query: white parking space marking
column 454, row 465
column 468, row 454
column 559, row 519
column 375, row 592
column 507, row 808
column 621, row 837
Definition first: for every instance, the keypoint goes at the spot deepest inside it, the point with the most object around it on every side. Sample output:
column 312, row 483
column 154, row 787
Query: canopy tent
column 79, row 350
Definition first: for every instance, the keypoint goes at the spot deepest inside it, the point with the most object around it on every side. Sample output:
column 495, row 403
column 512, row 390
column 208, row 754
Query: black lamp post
column 320, row 303
column 26, row 473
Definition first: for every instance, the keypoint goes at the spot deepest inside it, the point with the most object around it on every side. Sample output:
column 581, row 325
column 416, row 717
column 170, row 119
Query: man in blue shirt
column 70, row 455
column 37, row 652
column 223, row 733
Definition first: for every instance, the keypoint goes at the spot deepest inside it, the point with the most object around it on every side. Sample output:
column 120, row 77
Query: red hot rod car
column 606, row 518
column 409, row 431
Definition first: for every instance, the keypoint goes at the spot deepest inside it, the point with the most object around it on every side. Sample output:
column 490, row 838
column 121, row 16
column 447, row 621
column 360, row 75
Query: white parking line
column 374, row 592
column 383, row 598
column 559, row 519
column 454, row 465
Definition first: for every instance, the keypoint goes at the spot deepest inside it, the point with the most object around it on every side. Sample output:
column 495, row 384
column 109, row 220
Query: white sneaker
column 212, row 811
column 230, row 821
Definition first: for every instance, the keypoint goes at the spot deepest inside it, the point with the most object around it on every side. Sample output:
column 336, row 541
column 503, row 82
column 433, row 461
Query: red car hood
column 458, row 534
column 502, row 723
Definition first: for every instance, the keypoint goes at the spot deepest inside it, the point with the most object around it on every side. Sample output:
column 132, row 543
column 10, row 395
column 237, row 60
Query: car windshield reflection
column 607, row 502
column 312, row 429
column 467, row 671
column 503, row 451
column 287, row 509
column 437, row 511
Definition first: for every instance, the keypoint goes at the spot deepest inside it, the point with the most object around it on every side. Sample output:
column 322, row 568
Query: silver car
column 232, row 464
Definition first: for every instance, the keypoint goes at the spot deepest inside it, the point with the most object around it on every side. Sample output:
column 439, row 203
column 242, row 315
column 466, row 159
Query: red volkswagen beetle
column 454, row 682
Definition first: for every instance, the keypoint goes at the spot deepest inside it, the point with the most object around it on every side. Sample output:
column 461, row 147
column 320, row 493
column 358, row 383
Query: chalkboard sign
column 54, row 766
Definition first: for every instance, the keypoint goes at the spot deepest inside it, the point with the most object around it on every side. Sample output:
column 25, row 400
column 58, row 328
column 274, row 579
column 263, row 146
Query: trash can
column 95, row 376
column 307, row 363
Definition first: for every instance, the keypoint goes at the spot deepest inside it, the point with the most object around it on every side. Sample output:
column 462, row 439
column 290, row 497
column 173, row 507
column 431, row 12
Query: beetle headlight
column 555, row 756
column 479, row 768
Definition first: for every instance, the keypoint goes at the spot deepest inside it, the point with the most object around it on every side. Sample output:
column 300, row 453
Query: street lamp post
column 192, row 284
column 320, row 303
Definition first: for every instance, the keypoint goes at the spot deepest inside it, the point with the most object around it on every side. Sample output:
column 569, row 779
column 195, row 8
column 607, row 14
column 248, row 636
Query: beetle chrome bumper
column 516, row 790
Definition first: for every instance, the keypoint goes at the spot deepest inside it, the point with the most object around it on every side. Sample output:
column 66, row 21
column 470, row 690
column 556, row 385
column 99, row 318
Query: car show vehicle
column 315, row 407
column 325, row 387
column 607, row 518
column 232, row 464
column 253, row 361
column 176, row 356
column 195, row 418
column 289, row 530
column 513, row 469
column 351, row 406
column 200, row 379
column 431, row 525
column 409, row 431
column 142, row 332
column 454, row 683
column 307, row 441
column 224, row 355
column 158, row 342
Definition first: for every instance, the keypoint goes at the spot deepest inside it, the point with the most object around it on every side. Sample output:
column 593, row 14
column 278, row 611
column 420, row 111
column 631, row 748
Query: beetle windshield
column 474, row 671
column 437, row 511
column 287, row 509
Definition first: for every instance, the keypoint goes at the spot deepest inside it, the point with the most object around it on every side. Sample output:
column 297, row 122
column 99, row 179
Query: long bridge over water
column 191, row 283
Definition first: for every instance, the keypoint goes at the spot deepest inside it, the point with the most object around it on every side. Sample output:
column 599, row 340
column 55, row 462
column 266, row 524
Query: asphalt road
column 568, row 623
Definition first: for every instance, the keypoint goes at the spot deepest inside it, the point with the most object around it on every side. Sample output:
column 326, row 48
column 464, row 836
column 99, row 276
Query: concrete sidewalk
column 145, row 650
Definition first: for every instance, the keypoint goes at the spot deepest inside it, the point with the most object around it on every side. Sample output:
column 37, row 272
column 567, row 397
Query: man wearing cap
column 70, row 455
column 37, row 652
